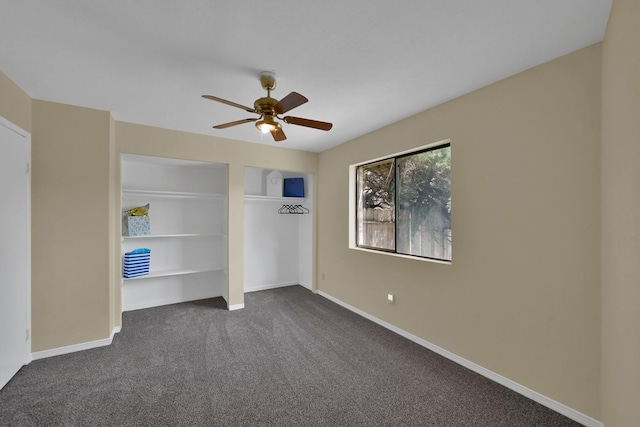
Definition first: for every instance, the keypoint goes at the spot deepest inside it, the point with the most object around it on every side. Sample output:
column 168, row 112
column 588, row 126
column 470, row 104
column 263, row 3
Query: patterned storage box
column 136, row 263
column 135, row 225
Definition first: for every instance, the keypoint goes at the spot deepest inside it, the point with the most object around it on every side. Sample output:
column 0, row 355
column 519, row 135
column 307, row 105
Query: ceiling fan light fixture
column 267, row 126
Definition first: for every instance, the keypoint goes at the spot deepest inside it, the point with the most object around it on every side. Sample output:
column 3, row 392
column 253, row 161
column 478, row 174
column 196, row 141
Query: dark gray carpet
column 290, row 358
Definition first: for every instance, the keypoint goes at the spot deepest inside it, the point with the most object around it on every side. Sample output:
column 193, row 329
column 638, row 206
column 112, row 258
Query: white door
column 14, row 250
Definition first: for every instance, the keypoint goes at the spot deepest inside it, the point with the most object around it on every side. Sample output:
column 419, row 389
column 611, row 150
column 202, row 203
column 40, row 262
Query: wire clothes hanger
column 293, row 210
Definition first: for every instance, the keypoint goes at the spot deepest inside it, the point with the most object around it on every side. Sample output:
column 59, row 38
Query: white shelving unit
column 188, row 240
column 277, row 247
column 272, row 199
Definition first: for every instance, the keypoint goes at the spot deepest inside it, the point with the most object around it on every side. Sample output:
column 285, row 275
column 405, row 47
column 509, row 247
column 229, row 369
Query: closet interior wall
column 278, row 244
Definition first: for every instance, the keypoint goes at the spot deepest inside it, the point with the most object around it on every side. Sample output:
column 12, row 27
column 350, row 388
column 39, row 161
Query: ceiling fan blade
column 233, row 104
column 278, row 135
column 237, row 122
column 308, row 123
column 289, row 102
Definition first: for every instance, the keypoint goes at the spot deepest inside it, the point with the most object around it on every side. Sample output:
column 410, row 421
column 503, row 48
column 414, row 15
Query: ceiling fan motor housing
column 265, row 105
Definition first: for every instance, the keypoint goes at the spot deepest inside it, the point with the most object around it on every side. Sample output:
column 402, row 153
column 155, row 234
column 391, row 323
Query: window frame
column 375, row 248
column 354, row 193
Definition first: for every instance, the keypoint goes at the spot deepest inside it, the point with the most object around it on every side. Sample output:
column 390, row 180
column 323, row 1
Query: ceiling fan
column 270, row 109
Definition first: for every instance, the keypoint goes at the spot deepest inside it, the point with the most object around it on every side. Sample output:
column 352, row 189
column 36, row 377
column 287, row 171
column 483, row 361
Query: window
column 404, row 204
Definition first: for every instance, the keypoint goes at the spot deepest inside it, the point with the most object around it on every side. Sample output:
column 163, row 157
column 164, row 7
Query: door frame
column 28, row 357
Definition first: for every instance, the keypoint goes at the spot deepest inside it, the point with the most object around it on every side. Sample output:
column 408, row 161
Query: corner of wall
column 620, row 229
column 15, row 103
column 115, row 303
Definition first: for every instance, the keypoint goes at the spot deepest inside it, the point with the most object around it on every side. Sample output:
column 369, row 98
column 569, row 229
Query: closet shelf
column 168, row 273
column 169, row 194
column 273, row 199
column 162, row 236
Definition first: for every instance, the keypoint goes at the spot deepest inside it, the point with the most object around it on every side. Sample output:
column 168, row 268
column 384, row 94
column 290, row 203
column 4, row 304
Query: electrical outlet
column 390, row 298
column 322, row 276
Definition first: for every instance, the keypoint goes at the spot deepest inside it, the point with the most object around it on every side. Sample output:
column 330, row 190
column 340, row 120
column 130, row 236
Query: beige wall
column 139, row 139
column 15, row 104
column 70, row 225
column 521, row 297
column 620, row 217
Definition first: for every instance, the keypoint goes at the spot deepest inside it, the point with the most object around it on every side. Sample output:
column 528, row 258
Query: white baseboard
column 518, row 388
column 75, row 347
column 114, row 331
column 167, row 301
column 270, row 286
column 306, row 285
column 236, row 307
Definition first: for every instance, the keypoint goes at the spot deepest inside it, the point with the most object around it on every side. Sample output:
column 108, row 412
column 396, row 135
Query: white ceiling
column 363, row 64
